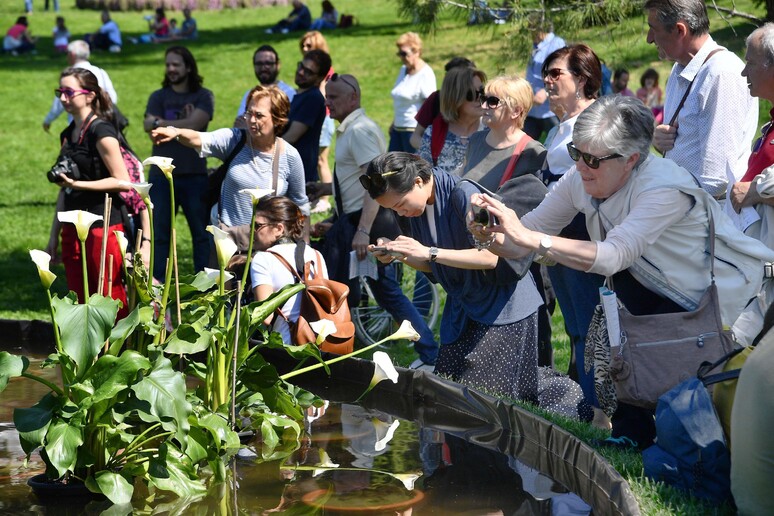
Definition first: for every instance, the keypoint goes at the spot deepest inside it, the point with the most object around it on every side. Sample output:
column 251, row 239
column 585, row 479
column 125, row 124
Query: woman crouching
column 489, row 327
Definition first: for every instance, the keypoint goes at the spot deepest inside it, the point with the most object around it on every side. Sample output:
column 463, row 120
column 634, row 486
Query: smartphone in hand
column 380, row 249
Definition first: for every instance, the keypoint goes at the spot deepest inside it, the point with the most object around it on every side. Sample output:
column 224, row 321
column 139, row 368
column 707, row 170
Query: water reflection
column 351, row 458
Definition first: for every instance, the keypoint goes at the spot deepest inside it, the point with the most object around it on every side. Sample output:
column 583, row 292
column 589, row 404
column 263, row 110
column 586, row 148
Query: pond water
column 353, row 459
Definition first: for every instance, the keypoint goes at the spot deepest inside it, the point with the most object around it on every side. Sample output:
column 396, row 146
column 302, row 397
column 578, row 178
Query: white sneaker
column 285, row 31
column 114, row 49
column 422, row 366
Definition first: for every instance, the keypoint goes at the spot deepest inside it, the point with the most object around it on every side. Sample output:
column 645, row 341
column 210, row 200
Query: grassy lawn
column 224, row 52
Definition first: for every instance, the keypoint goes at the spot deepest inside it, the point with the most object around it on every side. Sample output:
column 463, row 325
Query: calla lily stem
column 318, row 365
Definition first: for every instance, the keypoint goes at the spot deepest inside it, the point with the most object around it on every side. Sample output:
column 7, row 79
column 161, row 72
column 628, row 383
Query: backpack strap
column 288, row 266
column 438, row 138
column 226, row 162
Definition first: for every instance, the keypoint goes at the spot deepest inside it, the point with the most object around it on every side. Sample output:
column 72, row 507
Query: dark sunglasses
column 375, row 181
column 590, row 160
column 336, row 77
column 555, row 73
column 262, row 225
column 67, row 92
column 305, row 69
column 476, row 95
column 490, row 101
column 402, row 53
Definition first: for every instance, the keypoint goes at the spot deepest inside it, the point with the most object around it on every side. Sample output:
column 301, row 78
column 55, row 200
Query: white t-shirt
column 266, row 269
column 408, row 94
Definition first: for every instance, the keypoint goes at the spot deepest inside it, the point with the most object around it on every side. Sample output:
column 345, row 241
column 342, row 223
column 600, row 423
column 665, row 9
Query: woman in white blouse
column 416, row 81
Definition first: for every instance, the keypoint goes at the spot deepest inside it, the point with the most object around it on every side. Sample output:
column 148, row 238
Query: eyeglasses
column 69, row 93
column 403, row 53
column 474, row 95
column 555, row 73
column 375, row 181
column 262, row 225
column 264, row 64
column 490, row 101
column 590, row 160
column 248, row 115
column 335, row 77
column 305, row 69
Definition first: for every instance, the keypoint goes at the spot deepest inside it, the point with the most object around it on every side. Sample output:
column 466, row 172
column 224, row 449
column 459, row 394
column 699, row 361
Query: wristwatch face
column 433, row 253
column 545, row 245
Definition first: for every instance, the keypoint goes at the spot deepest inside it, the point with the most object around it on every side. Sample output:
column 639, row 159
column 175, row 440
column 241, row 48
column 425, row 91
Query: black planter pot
column 53, row 490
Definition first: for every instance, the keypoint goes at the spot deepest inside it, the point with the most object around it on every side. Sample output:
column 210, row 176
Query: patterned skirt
column 501, row 360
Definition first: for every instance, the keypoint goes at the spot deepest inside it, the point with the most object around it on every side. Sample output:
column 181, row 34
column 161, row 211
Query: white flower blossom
column 42, row 261
column 82, row 220
column 224, row 245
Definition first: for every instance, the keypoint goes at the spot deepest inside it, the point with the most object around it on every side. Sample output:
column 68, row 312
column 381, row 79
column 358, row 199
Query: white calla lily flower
column 384, row 432
column 123, row 243
column 214, row 274
column 325, row 463
column 383, row 368
column 142, row 189
column 82, row 220
column 42, row 261
column 408, row 479
column 406, row 331
column 323, row 328
column 257, row 193
column 224, row 245
column 164, row 164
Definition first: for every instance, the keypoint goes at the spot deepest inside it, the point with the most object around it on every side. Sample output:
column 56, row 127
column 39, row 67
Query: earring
column 577, row 95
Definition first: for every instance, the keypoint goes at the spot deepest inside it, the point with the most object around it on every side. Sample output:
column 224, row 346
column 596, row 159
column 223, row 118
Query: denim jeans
column 401, row 141
column 578, row 294
column 389, row 295
column 190, row 194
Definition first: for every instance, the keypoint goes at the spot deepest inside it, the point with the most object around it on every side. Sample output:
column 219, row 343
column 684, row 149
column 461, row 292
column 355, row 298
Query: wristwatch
column 156, row 123
column 545, row 245
column 433, row 254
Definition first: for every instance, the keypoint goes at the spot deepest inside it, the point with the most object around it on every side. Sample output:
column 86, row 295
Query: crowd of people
column 580, row 197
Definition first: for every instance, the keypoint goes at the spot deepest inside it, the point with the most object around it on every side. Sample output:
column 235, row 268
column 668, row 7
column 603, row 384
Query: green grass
column 224, row 51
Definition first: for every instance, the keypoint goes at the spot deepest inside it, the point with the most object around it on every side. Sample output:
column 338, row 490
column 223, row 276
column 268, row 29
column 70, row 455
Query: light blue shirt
column 535, row 74
column 285, row 87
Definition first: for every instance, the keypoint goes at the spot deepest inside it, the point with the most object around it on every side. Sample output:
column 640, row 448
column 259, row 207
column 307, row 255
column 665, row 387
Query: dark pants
column 191, row 195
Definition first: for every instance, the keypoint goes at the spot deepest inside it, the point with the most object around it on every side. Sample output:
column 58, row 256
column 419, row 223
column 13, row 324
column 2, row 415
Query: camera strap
column 85, row 127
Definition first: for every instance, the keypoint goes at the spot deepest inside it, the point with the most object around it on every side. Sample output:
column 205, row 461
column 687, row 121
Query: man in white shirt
column 711, row 133
column 78, row 57
column 359, row 221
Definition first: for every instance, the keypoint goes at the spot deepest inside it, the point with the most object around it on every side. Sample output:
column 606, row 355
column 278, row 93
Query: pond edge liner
column 478, row 418
column 433, row 402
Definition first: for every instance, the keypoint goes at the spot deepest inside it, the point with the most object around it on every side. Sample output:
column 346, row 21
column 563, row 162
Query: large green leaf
column 220, row 430
column 164, row 390
column 62, row 443
column 168, row 472
column 114, row 486
column 111, row 375
column 190, row 338
column 11, row 366
column 84, row 327
column 123, row 329
column 260, row 310
column 32, row 423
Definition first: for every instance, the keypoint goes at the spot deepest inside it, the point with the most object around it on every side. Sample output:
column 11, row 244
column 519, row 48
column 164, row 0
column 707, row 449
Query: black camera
column 65, row 166
column 482, row 216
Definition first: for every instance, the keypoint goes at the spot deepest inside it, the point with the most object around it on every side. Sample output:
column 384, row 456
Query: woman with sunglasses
column 416, row 82
column 649, row 225
column 279, row 227
column 445, row 144
column 573, row 77
column 91, row 142
column 489, row 326
column 253, row 166
column 503, row 150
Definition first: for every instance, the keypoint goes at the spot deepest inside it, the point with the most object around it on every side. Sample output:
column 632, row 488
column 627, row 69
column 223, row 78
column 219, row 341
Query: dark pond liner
column 480, row 419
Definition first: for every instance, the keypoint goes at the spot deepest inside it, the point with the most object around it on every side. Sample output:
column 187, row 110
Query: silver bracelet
column 479, row 245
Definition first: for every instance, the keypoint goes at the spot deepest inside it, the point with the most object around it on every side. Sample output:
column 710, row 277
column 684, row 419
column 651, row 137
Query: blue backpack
column 690, row 452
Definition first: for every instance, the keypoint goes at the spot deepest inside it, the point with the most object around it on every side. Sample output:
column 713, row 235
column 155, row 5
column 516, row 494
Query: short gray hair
column 79, row 49
column 617, row 124
column 692, row 12
column 766, row 33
